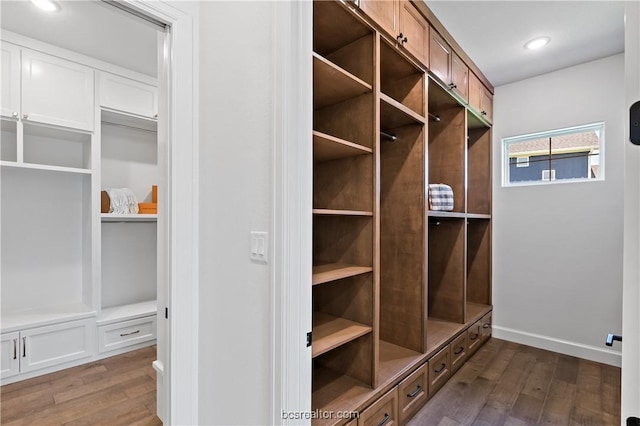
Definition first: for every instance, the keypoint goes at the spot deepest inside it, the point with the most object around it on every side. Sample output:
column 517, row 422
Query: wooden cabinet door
column 9, row 355
column 486, row 107
column 459, row 76
column 56, row 91
column 439, row 57
column 384, row 13
column 122, row 94
column 415, row 28
column 10, row 79
column 475, row 92
column 56, row 344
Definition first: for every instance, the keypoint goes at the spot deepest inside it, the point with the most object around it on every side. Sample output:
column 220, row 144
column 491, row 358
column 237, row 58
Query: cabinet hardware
column 129, row 334
column 386, row 418
column 453, row 86
column 459, row 351
column 25, row 116
column 415, row 392
column 155, row 116
column 309, row 338
column 399, row 37
column 611, row 338
column 24, row 347
column 484, row 113
column 389, row 136
column 486, row 326
column 474, row 336
column 15, row 114
column 442, row 366
column 15, row 348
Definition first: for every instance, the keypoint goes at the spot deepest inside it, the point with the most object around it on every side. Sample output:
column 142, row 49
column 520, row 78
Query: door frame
column 178, row 222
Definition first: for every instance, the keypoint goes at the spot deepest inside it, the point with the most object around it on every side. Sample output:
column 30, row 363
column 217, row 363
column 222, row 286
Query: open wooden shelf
column 475, row 311
column 333, row 391
column 478, row 216
column 327, row 147
column 451, row 215
column 393, row 114
column 440, row 331
column 336, row 271
column 332, row 84
column 329, row 332
column 45, row 167
column 329, row 212
column 396, row 361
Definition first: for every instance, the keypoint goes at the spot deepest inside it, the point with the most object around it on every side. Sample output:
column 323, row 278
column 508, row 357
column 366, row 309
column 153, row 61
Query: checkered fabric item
column 440, row 197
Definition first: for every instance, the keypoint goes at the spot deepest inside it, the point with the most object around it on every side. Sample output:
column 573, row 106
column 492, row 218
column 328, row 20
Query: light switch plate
column 259, row 247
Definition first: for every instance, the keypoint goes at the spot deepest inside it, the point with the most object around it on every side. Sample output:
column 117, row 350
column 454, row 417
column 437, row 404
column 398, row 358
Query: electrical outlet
column 259, row 247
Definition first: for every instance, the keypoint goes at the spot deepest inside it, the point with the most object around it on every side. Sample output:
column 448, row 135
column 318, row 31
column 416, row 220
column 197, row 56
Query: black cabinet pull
column 415, row 392
column 453, row 86
column 24, row 347
column 15, row 348
column 386, row 418
column 459, row 351
column 486, row 325
column 129, row 334
column 474, row 336
column 399, row 37
column 484, row 113
column 442, row 366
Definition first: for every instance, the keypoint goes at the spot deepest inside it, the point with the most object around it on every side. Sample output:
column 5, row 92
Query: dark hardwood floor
column 120, row 390
column 509, row 384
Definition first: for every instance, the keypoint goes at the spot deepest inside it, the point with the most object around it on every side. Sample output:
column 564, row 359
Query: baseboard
column 605, row 356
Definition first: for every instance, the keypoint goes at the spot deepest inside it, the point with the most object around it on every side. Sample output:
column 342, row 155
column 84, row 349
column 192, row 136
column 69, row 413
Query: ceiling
column 92, row 28
column 493, row 34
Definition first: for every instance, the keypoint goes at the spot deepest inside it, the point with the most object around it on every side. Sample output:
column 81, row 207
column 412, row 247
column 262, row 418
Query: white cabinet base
column 126, row 333
column 9, row 361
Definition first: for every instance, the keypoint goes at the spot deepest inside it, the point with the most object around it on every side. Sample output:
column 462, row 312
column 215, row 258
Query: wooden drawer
column 383, row 412
column 458, row 352
column 126, row 333
column 413, row 393
column 486, row 326
column 439, row 369
column 474, row 336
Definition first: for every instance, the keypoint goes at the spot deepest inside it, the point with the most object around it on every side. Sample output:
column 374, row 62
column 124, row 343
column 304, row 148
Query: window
column 565, row 155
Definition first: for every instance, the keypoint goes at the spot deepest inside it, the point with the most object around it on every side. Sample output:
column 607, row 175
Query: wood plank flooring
column 506, row 383
column 120, row 390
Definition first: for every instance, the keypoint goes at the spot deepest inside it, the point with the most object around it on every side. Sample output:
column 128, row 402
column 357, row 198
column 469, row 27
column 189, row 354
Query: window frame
column 505, row 142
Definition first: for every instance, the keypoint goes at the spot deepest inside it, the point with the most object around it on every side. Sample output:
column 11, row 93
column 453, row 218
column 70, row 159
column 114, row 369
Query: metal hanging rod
column 391, row 137
column 138, row 14
column 434, row 117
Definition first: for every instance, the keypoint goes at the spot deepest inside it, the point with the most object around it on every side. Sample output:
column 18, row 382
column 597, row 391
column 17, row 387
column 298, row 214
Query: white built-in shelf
column 331, row 212
column 126, row 312
column 329, row 332
column 44, row 167
column 124, row 119
column 327, row 147
column 336, row 271
column 112, row 217
column 41, row 316
column 332, row 84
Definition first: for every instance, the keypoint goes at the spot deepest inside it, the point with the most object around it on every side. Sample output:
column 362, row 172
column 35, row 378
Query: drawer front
column 383, row 412
column 486, row 326
column 413, row 393
column 439, row 369
column 474, row 336
column 126, row 333
column 458, row 352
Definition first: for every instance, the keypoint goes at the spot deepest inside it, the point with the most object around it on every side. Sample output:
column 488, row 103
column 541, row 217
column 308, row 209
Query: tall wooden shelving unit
column 400, row 293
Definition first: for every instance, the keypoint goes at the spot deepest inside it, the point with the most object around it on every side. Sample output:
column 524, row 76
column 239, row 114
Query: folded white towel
column 440, row 197
column 123, row 201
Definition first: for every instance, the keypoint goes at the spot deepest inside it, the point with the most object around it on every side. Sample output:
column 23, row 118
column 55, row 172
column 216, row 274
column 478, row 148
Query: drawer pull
column 459, row 351
column 442, row 366
column 486, row 326
column 129, row 334
column 15, row 348
column 24, row 347
column 386, row 418
column 474, row 336
column 415, row 392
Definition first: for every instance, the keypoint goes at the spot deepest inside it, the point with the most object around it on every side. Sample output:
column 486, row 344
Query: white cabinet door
column 125, row 95
column 10, row 78
column 56, row 91
column 9, row 354
column 56, row 344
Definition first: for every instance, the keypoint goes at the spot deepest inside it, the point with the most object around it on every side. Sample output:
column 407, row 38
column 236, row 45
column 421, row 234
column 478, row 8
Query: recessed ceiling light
column 536, row 43
column 46, row 5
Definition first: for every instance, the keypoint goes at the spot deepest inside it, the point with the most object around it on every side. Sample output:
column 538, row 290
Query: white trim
column 292, row 203
column 180, row 223
column 593, row 353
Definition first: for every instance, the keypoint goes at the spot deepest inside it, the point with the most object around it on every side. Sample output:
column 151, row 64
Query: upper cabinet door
column 384, row 13
column 459, row 76
column 125, row 95
column 439, row 57
column 475, row 92
column 10, row 78
column 414, row 28
column 486, row 107
column 56, row 91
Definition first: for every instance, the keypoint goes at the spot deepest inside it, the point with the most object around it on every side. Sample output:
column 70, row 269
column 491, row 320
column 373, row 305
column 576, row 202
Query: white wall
column 558, row 248
column 236, row 128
